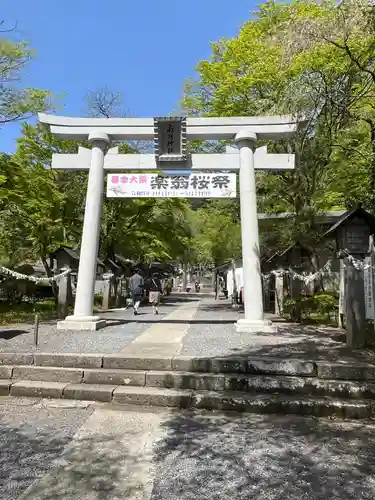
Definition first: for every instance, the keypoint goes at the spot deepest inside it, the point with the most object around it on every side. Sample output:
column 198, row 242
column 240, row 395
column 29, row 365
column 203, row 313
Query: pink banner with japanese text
column 197, row 185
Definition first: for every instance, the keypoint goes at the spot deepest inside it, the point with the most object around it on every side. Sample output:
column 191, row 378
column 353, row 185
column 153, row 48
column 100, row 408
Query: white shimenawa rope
column 20, row 276
column 325, row 270
column 306, row 278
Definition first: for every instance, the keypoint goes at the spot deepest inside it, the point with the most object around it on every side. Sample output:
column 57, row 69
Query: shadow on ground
column 291, row 340
column 219, row 457
column 89, row 467
column 304, row 342
column 111, row 322
column 8, row 334
column 219, row 308
column 179, row 299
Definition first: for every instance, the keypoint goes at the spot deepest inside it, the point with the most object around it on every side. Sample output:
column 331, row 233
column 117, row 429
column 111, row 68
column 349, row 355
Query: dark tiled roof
column 123, row 261
column 72, row 253
column 328, row 217
column 359, row 211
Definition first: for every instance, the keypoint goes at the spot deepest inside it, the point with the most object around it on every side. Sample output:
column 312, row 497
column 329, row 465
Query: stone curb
column 115, row 377
column 47, row 374
column 89, row 392
column 152, row 396
column 265, row 365
column 341, row 371
column 33, row 388
column 222, row 401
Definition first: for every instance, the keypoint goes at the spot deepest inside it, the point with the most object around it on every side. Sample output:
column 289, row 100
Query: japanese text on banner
column 187, row 186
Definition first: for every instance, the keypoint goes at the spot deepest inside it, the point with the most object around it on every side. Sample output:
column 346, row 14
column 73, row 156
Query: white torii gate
column 245, row 131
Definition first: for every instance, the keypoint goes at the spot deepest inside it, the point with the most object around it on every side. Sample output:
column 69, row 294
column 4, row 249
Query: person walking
column 155, row 289
column 136, row 285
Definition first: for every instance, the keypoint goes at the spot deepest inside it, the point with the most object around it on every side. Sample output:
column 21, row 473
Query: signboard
column 170, row 139
column 368, row 279
column 171, row 186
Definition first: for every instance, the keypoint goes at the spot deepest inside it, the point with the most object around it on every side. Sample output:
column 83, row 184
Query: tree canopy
column 312, row 60
column 17, row 103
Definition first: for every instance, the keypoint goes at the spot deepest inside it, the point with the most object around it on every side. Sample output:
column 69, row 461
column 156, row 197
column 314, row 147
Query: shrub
column 98, row 299
column 321, row 307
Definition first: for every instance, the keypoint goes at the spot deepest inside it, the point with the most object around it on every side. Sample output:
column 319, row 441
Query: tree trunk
column 49, row 272
column 318, row 283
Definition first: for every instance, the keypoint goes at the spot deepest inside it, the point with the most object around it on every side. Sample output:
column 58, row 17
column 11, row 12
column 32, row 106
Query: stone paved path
column 165, row 337
column 69, row 450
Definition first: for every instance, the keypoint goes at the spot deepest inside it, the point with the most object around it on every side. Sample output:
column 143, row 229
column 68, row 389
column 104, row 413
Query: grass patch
column 25, row 312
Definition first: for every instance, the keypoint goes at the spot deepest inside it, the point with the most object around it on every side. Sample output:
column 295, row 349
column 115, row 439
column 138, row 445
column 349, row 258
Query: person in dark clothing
column 136, row 285
column 155, row 290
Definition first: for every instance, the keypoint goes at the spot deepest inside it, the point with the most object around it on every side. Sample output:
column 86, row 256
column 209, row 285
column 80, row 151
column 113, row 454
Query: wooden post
column 369, row 282
column 36, row 330
column 266, row 293
column 117, row 292
column 342, row 313
column 188, row 267
column 184, row 276
column 214, row 281
column 217, row 286
column 372, row 273
column 295, row 284
column 64, row 295
column 279, row 292
column 354, row 305
column 235, row 290
column 107, row 290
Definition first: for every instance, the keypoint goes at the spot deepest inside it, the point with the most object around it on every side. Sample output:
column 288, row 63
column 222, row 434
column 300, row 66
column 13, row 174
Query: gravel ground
column 212, row 333
column 264, row 457
column 95, row 452
column 122, row 329
column 32, row 435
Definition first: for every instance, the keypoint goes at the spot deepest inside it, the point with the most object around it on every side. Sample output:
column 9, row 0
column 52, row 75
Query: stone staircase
column 259, row 385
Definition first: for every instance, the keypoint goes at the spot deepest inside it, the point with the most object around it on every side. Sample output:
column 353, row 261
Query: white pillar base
column 88, row 323
column 253, row 326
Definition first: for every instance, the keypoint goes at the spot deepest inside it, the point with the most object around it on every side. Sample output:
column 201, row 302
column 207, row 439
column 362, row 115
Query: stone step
column 277, row 384
column 183, row 398
column 251, row 365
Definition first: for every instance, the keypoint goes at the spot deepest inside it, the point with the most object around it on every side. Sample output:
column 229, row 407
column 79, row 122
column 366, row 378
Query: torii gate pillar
column 83, row 318
column 253, row 294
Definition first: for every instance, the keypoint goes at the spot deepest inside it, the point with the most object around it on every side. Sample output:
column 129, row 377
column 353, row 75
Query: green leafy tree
column 314, row 61
column 140, row 229
column 46, row 209
column 46, row 204
column 17, row 103
column 217, row 235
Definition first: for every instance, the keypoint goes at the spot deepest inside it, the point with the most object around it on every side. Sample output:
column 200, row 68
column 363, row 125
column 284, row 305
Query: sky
column 144, row 49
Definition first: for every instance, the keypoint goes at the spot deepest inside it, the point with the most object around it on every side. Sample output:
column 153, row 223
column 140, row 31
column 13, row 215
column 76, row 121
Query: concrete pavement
column 165, row 338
